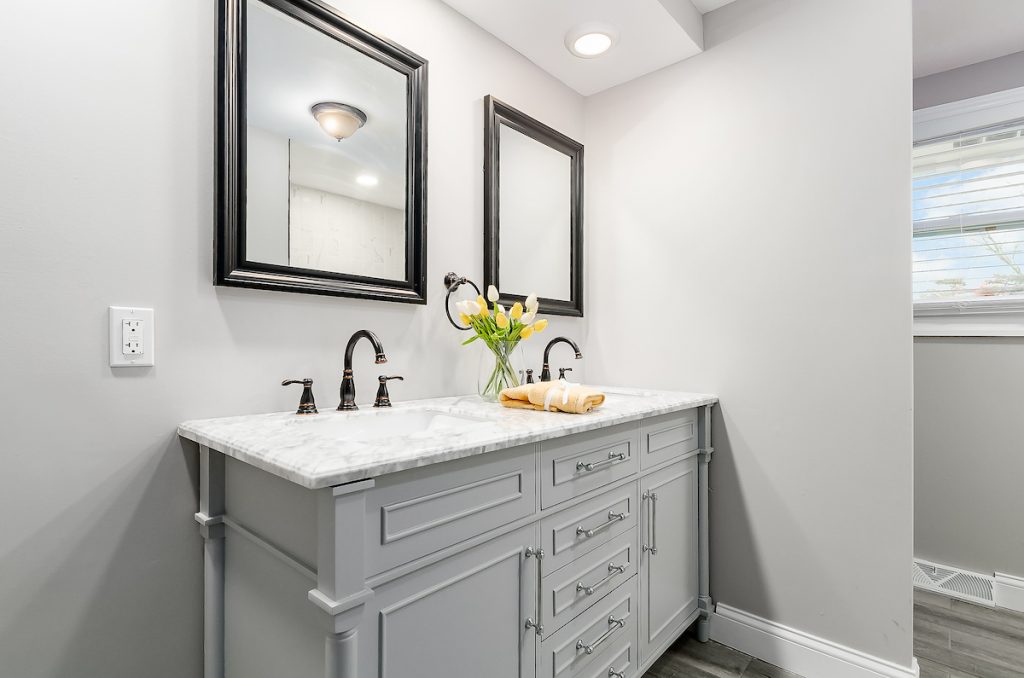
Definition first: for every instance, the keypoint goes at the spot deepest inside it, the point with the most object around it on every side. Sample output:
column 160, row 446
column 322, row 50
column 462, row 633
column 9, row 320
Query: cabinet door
column 462, row 617
column 668, row 558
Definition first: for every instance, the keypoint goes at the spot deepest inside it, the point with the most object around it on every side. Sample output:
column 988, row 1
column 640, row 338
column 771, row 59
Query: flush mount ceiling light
column 590, row 40
column 367, row 180
column 339, row 120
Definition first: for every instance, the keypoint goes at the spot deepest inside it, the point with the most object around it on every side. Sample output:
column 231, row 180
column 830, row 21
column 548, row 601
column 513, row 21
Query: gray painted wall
column 974, row 80
column 106, row 197
column 969, row 470
column 709, row 177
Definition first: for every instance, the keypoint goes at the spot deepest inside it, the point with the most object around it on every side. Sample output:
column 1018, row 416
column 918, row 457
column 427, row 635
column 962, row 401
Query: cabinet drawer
column 667, row 437
column 563, row 539
column 420, row 511
column 577, row 464
column 600, row 629
column 581, row 584
column 620, row 660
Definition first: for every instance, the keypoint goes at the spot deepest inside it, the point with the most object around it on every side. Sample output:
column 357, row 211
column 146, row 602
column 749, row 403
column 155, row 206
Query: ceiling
column 652, row 34
column 953, row 33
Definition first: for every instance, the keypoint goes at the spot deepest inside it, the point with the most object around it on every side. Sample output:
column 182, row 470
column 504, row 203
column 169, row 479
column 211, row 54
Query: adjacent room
column 545, row 339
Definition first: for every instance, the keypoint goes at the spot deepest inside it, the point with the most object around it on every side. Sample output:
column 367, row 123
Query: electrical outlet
column 131, row 337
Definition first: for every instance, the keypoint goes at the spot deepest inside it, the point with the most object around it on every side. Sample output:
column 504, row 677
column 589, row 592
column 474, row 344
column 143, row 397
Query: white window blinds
column 969, row 218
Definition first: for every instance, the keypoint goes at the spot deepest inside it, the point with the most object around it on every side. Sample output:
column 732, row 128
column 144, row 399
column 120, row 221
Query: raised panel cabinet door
column 462, row 617
column 668, row 554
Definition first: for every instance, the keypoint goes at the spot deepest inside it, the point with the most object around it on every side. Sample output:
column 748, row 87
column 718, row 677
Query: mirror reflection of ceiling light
column 590, row 40
column 367, row 180
column 339, row 120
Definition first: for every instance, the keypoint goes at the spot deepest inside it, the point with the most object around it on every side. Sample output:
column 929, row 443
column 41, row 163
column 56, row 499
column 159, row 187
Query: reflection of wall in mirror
column 535, row 187
column 266, row 195
column 331, row 232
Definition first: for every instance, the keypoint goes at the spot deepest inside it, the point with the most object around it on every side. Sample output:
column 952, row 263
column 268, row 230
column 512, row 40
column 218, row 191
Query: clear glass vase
column 501, row 366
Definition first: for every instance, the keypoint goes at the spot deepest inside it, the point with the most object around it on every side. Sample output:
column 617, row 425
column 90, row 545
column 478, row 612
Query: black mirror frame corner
column 231, row 267
column 497, row 113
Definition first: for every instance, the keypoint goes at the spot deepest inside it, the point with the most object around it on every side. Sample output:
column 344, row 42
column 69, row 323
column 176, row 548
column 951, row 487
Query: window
column 968, row 212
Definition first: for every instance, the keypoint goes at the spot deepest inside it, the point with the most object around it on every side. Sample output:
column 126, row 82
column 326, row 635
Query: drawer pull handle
column 594, row 465
column 652, row 548
column 612, row 673
column 612, row 519
column 613, row 570
column 613, row 626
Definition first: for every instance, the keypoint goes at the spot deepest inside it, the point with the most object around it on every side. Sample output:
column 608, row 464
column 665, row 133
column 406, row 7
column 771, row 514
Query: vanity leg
column 340, row 660
column 704, row 601
column 211, row 526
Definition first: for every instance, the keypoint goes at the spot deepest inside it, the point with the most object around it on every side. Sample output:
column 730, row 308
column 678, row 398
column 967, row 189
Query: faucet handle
column 562, row 371
column 306, row 403
column 383, row 399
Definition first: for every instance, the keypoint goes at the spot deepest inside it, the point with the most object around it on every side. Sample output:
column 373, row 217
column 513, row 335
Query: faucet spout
column 348, row 384
column 545, row 374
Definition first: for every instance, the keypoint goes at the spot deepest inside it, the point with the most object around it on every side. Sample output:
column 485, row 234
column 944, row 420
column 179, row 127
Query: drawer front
column 569, row 534
column 578, row 586
column 586, row 461
column 589, row 641
column 667, row 437
column 420, row 511
column 621, row 661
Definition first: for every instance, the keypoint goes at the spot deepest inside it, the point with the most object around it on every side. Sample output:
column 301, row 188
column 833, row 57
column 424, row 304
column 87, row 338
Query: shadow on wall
column 111, row 543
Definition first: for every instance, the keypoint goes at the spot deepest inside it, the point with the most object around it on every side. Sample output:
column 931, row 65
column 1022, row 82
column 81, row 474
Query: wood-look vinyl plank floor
column 957, row 639
column 688, row 658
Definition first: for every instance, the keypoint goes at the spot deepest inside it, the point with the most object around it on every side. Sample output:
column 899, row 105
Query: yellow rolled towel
column 555, row 396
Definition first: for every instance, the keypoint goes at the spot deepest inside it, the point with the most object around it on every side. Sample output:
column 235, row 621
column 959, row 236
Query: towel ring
column 452, row 282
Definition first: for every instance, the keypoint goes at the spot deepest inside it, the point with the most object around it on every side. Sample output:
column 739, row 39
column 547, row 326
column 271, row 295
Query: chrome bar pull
column 613, row 570
column 612, row 519
column 613, row 626
column 536, row 623
column 652, row 548
column 612, row 673
column 594, row 465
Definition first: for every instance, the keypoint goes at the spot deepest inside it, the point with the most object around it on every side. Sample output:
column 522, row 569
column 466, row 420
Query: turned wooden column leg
column 211, row 526
column 704, row 601
column 340, row 655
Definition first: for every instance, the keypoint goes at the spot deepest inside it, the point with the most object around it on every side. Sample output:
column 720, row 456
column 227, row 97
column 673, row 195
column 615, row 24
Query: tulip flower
column 501, row 309
column 482, row 305
column 525, row 334
column 501, row 320
column 528, row 317
column 532, row 304
column 466, row 320
column 517, row 311
column 540, row 324
column 492, row 293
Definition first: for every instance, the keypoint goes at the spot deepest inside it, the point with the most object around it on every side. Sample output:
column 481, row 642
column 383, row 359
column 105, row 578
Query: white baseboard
column 1008, row 592
column 797, row 651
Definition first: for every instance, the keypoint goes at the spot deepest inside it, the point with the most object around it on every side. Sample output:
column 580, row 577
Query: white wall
column 749, row 235
column 108, row 199
column 975, row 80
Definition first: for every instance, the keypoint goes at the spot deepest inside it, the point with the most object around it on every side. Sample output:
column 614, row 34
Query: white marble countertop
column 325, row 449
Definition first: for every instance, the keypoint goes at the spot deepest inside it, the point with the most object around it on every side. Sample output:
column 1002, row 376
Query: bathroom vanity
column 454, row 538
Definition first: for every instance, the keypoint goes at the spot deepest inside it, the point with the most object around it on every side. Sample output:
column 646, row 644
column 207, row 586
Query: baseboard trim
column 797, row 651
column 1008, row 591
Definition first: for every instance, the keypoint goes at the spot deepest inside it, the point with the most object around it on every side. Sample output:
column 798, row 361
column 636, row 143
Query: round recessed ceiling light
column 590, row 40
column 367, row 180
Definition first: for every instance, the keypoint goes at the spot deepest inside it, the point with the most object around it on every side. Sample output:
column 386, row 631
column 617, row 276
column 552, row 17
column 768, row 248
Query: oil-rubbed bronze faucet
column 383, row 398
column 545, row 372
column 348, row 385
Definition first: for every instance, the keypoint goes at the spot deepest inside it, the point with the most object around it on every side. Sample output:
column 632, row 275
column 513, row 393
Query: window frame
column 983, row 317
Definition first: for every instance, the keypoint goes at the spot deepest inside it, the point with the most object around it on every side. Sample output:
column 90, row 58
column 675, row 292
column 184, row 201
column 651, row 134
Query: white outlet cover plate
column 118, row 314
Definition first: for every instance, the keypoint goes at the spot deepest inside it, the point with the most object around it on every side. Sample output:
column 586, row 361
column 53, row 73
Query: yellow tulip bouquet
column 501, row 331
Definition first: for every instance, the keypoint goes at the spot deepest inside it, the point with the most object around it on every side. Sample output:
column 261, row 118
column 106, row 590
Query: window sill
column 996, row 318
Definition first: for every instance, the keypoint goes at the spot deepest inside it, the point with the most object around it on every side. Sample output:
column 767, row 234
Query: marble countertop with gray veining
column 332, row 448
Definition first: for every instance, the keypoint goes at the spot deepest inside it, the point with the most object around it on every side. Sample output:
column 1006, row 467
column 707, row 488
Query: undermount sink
column 399, row 423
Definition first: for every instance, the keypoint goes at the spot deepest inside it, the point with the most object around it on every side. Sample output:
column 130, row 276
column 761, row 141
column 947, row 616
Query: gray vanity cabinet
column 461, row 617
column 669, row 577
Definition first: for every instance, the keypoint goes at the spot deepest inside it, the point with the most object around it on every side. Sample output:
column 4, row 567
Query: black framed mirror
column 533, row 210
column 321, row 163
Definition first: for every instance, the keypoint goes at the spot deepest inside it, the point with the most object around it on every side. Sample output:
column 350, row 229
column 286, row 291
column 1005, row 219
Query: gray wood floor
column 955, row 639
column 691, row 659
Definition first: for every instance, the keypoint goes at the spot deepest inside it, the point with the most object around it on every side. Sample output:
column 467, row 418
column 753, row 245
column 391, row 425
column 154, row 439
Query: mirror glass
column 314, row 201
column 533, row 211
column 535, row 248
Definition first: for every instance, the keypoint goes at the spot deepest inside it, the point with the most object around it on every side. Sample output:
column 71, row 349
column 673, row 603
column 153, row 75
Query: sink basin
column 364, row 426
